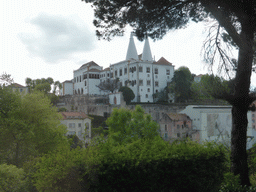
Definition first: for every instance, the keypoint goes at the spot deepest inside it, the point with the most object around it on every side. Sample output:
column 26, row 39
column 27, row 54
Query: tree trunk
column 240, row 105
column 238, row 144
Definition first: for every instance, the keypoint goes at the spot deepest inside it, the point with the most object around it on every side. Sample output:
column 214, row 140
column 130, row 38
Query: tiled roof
column 91, row 63
column 178, row 116
column 106, row 69
column 16, row 85
column 163, row 61
column 74, row 115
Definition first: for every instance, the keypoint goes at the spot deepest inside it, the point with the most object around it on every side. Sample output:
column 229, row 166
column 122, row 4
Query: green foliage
column 126, row 126
column 180, row 84
column 43, row 85
column 127, row 94
column 161, row 96
column 5, row 79
column 62, row 109
column 98, row 121
column 155, row 165
column 231, row 183
column 59, row 171
column 211, row 87
column 12, row 179
column 29, row 127
column 75, row 141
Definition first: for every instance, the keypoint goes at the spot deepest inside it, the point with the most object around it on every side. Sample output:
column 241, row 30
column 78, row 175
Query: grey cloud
column 59, row 37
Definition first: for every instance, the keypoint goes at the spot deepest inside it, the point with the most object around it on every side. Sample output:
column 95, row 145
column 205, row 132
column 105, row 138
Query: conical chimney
column 146, row 55
column 131, row 52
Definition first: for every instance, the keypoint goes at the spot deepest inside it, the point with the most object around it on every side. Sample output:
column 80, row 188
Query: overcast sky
column 41, row 39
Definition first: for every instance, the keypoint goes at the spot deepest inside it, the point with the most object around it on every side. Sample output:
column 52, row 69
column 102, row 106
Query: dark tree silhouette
column 109, row 85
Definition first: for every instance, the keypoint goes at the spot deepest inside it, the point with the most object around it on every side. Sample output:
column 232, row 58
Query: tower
column 146, row 54
column 131, row 52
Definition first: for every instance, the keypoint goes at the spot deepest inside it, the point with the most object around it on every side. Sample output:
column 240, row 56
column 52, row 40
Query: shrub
column 154, row 165
column 231, row 184
column 12, row 179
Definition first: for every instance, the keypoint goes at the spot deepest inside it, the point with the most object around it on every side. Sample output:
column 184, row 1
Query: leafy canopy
column 29, row 126
column 180, row 84
column 127, row 94
column 43, row 85
column 126, row 126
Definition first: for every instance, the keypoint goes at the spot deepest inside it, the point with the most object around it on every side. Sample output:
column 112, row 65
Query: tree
column 162, row 96
column 127, row 94
column 211, row 87
column 44, row 85
column 5, row 79
column 110, row 85
column 126, row 126
column 156, row 17
column 12, row 179
column 29, row 127
column 180, row 84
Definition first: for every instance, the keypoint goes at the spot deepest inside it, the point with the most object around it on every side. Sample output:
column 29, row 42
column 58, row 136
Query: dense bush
column 144, row 165
column 154, row 165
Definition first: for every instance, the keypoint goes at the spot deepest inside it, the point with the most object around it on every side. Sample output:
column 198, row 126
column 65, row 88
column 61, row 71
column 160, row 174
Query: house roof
column 91, row 63
column 74, row 115
column 106, row 69
column 163, row 61
column 16, row 85
column 178, row 116
column 68, row 81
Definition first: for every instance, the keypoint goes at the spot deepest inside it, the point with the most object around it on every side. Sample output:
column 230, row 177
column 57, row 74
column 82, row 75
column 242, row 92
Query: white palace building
column 139, row 72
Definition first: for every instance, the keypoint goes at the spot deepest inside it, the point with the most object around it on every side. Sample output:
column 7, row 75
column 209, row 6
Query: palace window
column 156, row 70
column 120, row 72
column 148, row 82
column 71, row 125
column 140, row 69
column 156, row 83
column 167, row 71
column 125, row 70
column 140, row 82
column 148, row 69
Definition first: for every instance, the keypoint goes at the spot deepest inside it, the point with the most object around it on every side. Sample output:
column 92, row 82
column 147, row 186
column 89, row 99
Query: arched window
column 82, row 91
column 78, row 91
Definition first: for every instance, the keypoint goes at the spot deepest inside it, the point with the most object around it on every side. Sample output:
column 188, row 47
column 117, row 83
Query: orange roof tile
column 163, row 61
column 178, row 116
